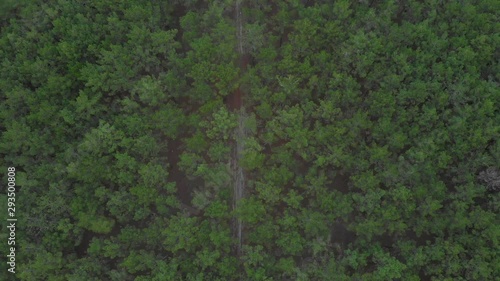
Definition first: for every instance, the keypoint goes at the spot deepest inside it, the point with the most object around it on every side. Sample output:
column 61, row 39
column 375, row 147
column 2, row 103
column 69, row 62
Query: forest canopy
column 251, row 140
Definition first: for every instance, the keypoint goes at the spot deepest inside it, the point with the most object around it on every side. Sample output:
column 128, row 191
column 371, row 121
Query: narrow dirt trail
column 235, row 103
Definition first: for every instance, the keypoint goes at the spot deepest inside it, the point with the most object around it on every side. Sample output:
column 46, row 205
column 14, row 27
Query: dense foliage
column 371, row 145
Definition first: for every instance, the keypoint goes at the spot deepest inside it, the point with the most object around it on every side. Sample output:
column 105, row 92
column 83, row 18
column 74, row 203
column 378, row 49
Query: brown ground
column 234, row 101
